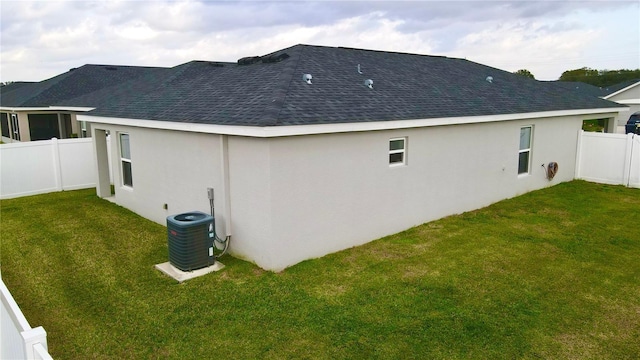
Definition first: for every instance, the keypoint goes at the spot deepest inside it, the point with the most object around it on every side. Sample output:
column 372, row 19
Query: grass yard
column 551, row 274
column 595, row 125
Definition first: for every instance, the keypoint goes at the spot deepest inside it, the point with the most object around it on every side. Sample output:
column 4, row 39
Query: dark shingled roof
column 577, row 86
column 270, row 90
column 74, row 83
column 14, row 85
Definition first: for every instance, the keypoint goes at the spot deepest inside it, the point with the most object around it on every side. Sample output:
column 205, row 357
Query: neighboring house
column 626, row 93
column 32, row 110
column 314, row 149
column 609, row 125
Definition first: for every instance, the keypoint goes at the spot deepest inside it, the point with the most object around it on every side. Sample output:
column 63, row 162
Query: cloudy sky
column 41, row 39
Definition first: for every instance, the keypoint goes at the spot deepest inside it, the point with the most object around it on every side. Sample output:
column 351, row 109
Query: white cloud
column 136, row 30
column 520, row 45
column 43, row 39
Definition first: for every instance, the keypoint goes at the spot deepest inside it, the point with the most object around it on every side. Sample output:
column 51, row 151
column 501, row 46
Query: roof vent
column 274, row 58
column 368, row 83
column 307, row 78
column 489, row 79
column 110, row 68
column 248, row 60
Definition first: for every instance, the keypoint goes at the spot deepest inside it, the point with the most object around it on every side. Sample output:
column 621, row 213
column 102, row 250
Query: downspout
column 224, row 171
column 224, row 154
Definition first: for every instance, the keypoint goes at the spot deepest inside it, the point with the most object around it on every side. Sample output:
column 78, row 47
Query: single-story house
column 626, row 93
column 30, row 110
column 314, row 149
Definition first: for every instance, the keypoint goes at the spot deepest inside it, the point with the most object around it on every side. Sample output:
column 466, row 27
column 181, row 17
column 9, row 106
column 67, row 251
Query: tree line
column 599, row 78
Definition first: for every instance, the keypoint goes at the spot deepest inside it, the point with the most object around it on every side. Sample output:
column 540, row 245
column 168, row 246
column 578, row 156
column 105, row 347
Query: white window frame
column 526, row 150
column 402, row 151
column 124, row 160
column 15, row 127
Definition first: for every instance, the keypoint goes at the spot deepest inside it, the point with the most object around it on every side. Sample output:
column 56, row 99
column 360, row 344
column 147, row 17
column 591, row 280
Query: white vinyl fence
column 609, row 158
column 39, row 167
column 19, row 340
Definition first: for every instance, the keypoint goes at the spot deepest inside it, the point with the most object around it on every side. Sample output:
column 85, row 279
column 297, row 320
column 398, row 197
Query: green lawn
column 595, row 125
column 551, row 274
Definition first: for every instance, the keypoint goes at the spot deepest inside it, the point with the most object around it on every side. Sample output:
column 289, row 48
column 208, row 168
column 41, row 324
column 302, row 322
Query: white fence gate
column 609, row 158
column 19, row 340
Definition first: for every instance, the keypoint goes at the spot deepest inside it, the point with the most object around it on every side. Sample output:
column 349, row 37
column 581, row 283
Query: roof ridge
column 273, row 110
column 49, row 83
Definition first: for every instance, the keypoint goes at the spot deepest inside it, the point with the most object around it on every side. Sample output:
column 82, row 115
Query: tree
column 525, row 73
column 600, row 78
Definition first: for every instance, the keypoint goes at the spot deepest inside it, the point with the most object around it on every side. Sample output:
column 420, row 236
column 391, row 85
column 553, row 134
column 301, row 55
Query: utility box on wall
column 190, row 238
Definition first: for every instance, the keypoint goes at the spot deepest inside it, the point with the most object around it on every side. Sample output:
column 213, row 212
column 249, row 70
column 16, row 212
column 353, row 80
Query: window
column 83, row 129
column 43, row 126
column 4, row 124
column 15, row 127
column 397, row 151
column 125, row 160
column 524, row 155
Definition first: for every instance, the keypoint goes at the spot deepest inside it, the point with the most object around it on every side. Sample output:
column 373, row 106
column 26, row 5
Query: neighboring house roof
column 74, row 83
column 14, row 85
column 623, row 86
column 580, row 87
column 270, row 90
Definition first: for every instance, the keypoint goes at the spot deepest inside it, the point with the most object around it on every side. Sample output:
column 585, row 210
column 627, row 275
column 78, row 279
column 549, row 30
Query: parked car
column 633, row 125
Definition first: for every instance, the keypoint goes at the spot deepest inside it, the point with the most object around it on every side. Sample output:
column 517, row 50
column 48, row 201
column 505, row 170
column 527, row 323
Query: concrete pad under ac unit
column 181, row 276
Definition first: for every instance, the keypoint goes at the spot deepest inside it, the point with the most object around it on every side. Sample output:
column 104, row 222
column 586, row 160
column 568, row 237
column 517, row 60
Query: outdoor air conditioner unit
column 190, row 237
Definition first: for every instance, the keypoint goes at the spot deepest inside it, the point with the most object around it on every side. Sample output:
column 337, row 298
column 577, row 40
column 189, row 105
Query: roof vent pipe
column 307, row 78
column 368, row 83
column 359, row 71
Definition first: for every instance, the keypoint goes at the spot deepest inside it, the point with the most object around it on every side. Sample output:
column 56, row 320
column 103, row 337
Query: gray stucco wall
column 300, row 197
column 331, row 192
column 168, row 167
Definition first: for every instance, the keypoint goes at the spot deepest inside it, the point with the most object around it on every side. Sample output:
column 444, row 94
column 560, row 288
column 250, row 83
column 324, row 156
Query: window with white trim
column 15, row 127
column 524, row 154
column 125, row 159
column 398, row 151
column 4, row 124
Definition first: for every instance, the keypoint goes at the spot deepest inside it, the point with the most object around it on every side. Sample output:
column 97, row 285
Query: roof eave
column 296, row 130
column 47, row 108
